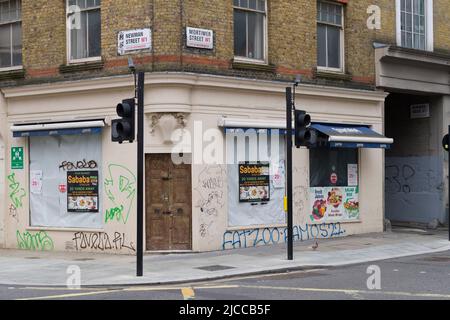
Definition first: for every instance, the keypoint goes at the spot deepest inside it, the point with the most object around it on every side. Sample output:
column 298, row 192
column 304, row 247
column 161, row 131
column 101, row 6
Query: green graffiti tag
column 120, row 188
column 16, row 193
column 114, row 213
column 39, row 241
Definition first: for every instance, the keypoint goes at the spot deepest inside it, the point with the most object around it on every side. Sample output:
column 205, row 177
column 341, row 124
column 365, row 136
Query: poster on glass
column 254, row 182
column 82, row 191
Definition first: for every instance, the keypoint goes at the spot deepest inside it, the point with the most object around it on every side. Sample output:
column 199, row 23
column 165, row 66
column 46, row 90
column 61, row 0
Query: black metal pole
column 448, row 188
column 140, row 177
column 290, row 253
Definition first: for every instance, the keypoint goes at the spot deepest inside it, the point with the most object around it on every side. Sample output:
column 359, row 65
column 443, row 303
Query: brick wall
column 291, row 32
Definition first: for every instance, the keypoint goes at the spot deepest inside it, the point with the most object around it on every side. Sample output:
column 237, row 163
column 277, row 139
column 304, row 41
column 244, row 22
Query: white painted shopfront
column 40, row 214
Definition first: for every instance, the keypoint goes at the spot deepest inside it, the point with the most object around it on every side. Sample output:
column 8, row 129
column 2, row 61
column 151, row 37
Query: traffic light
column 303, row 134
column 446, row 143
column 123, row 129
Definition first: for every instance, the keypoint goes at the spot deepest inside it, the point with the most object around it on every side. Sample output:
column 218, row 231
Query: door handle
column 167, row 212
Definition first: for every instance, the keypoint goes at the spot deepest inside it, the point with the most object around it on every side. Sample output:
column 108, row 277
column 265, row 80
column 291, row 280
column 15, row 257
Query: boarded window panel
column 246, row 214
column 48, row 208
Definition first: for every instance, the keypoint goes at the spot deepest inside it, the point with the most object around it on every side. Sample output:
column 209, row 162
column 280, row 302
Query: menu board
column 334, row 203
column 254, row 182
column 82, row 191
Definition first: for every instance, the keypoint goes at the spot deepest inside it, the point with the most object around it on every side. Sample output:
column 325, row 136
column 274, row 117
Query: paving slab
column 26, row 268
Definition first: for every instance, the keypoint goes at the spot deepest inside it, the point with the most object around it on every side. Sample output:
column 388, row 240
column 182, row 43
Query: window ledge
column 332, row 75
column 12, row 73
column 60, row 229
column 82, row 66
column 253, row 66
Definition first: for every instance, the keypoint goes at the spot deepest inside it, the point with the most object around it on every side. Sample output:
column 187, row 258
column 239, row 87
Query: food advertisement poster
column 254, row 182
column 82, row 191
column 334, row 204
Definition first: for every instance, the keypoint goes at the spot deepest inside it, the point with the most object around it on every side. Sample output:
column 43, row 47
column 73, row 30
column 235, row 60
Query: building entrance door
column 168, row 204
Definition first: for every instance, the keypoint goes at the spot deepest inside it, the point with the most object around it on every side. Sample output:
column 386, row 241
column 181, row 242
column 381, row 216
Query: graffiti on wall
column 120, row 188
column 38, row 241
column 101, row 241
column 16, row 193
column 414, row 188
column 267, row 236
column 13, row 212
column 398, row 178
column 210, row 188
column 82, row 164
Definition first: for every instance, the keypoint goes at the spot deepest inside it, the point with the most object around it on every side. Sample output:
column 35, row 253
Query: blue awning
column 58, row 128
column 352, row 136
column 58, row 132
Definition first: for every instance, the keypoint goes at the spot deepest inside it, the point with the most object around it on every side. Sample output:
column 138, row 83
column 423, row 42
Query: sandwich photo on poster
column 254, row 182
column 82, row 191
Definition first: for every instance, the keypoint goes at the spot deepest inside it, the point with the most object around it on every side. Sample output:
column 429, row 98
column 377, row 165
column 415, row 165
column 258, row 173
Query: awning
column 347, row 136
column 57, row 128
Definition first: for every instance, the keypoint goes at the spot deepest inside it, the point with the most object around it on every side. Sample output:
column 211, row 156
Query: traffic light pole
column 290, row 253
column 140, row 176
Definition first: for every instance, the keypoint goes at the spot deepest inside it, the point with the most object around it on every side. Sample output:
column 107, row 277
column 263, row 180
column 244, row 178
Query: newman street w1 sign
column 134, row 40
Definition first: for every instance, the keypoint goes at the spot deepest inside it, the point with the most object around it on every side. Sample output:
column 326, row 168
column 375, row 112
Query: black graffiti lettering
column 101, row 241
column 81, row 164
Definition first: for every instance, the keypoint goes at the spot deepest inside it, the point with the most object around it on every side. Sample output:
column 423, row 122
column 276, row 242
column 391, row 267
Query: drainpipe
column 3, row 142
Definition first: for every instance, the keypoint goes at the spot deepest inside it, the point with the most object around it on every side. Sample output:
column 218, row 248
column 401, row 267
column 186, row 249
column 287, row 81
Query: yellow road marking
column 70, row 295
column 354, row 292
column 188, row 293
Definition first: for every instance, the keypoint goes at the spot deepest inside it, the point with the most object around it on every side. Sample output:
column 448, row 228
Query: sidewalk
column 49, row 268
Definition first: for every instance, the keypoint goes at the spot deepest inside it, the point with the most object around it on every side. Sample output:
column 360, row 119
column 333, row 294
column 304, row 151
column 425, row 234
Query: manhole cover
column 32, row 258
column 437, row 259
column 215, row 268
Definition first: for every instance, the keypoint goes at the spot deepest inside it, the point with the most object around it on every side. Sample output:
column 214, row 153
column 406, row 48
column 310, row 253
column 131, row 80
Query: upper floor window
column 414, row 24
column 330, row 34
column 10, row 33
column 84, row 29
column 250, row 29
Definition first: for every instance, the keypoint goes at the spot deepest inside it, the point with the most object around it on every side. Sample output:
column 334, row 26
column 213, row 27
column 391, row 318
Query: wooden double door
column 168, row 204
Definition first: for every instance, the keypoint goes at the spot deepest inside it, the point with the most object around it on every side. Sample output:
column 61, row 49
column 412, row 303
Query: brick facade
column 291, row 39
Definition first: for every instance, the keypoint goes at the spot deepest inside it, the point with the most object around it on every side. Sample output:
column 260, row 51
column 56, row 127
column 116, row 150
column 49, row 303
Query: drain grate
column 436, row 259
column 84, row 259
column 215, row 268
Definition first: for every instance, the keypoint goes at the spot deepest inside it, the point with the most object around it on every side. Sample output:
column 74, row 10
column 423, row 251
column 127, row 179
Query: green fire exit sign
column 16, row 158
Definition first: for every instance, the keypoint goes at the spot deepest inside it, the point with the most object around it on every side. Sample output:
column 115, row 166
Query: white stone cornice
column 190, row 80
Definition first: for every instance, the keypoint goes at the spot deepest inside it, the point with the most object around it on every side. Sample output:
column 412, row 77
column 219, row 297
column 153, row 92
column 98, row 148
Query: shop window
column 84, row 29
column 415, row 24
column 249, row 29
column 256, row 173
column 65, row 181
column 10, row 33
column 334, row 192
column 330, row 33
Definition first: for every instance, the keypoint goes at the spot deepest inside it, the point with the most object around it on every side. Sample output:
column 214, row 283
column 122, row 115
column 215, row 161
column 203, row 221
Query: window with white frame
column 10, row 33
column 84, row 34
column 250, row 29
column 414, row 24
column 330, row 33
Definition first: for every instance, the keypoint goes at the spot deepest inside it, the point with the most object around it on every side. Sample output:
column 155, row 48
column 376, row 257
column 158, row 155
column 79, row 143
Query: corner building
column 216, row 74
